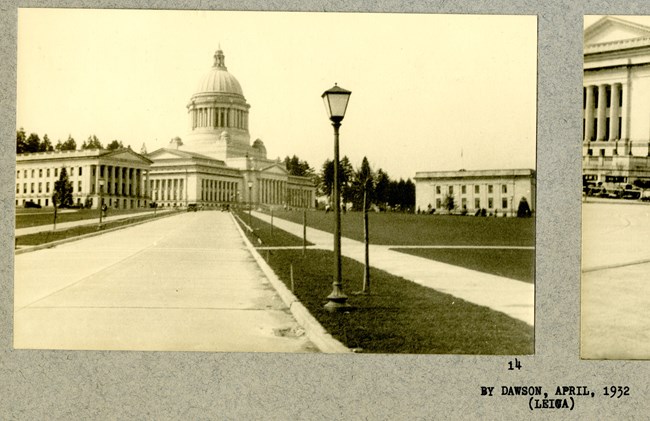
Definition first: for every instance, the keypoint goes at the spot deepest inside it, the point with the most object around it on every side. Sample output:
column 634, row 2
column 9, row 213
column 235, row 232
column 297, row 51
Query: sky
column 429, row 92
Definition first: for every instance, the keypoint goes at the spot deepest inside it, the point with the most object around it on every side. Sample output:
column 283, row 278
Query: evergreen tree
column 92, row 143
column 382, row 187
column 363, row 186
column 68, row 145
column 62, row 190
column 114, row 145
column 46, row 145
column 33, row 143
column 21, row 141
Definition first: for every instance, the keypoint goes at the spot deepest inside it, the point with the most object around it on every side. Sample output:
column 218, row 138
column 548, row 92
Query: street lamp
column 250, row 204
column 336, row 102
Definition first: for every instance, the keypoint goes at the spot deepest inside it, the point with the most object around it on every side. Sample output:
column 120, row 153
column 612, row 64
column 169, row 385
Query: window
column 40, row 187
column 490, row 203
column 80, row 170
column 504, row 188
column 438, row 203
column 463, row 203
column 47, row 187
column 477, row 189
column 17, row 188
column 40, row 173
column 490, row 188
column 477, row 203
column 48, row 172
column 32, row 173
column 602, row 152
column 504, row 203
column 32, row 186
column 24, row 187
column 463, row 189
column 56, row 172
column 17, row 174
column 79, row 186
column 437, row 189
column 451, row 190
column 24, row 173
column 71, row 171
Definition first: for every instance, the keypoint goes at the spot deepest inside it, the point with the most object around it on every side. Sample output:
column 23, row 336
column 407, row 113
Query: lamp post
column 250, row 204
column 336, row 102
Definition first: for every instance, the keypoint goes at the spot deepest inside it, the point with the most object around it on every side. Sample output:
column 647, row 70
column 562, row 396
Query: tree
column 21, row 141
column 364, row 186
column 326, row 179
column 346, row 175
column 62, row 190
column 92, row 143
column 114, row 145
column 449, row 203
column 382, row 187
column 68, row 145
column 46, row 145
column 297, row 167
column 33, row 143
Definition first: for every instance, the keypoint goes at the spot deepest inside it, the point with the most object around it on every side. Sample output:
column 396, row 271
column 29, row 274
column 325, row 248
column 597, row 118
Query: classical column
column 625, row 111
column 96, row 181
column 589, row 113
column 614, row 111
column 602, row 111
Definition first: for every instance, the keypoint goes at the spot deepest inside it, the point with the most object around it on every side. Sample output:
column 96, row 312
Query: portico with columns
column 616, row 103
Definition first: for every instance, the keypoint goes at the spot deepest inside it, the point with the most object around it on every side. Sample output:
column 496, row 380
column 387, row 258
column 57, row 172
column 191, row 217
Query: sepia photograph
column 615, row 288
column 298, row 182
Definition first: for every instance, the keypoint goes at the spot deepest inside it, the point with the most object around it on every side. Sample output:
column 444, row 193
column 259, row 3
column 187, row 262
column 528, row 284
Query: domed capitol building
column 213, row 166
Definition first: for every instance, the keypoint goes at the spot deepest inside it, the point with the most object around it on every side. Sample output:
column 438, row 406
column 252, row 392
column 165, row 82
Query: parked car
column 32, row 204
column 192, row 207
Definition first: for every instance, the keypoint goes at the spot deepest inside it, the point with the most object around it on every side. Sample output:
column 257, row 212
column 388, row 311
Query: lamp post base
column 337, row 302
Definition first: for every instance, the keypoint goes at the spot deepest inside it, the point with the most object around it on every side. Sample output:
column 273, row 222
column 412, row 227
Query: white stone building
column 119, row 176
column 215, row 166
column 616, row 102
column 496, row 191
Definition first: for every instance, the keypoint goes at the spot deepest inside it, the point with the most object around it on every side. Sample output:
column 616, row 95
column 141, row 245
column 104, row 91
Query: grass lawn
column 50, row 236
column 269, row 238
column 514, row 264
column 35, row 217
column 399, row 316
column 392, row 228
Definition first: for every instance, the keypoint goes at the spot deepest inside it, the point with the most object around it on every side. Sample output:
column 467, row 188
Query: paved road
column 509, row 296
column 186, row 282
column 615, row 289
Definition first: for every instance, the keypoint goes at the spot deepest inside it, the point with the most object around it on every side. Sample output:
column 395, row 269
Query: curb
column 315, row 331
column 81, row 237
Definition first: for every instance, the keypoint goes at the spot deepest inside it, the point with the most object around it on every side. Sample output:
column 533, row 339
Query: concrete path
column 184, row 283
column 72, row 224
column 615, row 288
column 509, row 296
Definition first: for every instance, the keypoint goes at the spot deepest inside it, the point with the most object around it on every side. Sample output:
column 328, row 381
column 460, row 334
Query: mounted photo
column 275, row 182
column 615, row 289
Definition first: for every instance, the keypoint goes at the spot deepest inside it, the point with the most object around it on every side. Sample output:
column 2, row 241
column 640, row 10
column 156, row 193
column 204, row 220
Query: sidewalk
column 514, row 298
column 66, row 225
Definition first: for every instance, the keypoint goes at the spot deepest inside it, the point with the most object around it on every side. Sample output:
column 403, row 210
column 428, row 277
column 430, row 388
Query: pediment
column 127, row 155
column 610, row 30
column 165, row 154
column 274, row 169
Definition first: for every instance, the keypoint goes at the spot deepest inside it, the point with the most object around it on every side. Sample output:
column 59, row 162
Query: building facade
column 215, row 166
column 119, row 177
column 497, row 191
column 616, row 103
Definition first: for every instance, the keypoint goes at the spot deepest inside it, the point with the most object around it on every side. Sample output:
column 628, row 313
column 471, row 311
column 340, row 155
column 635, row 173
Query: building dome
column 218, row 79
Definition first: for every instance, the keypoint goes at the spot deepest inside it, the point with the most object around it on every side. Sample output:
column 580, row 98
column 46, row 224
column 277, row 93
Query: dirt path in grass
column 514, row 298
